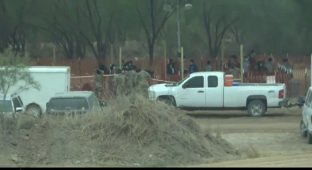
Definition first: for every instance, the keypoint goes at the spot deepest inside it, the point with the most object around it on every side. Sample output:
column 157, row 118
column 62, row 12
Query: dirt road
column 269, row 141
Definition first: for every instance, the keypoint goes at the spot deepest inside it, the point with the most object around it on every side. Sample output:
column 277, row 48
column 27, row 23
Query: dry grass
column 147, row 133
column 131, row 82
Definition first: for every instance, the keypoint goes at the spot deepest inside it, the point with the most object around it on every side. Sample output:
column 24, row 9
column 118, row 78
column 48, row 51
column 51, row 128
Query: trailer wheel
column 303, row 129
column 34, row 110
column 256, row 108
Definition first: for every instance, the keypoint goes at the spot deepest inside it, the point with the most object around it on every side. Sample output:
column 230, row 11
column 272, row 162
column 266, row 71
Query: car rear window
column 5, row 106
column 68, row 103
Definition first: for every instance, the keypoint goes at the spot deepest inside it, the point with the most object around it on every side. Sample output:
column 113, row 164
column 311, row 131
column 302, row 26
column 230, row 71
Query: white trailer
column 52, row 79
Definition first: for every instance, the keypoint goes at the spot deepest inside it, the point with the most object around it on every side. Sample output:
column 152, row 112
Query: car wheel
column 303, row 129
column 256, row 108
column 34, row 110
column 309, row 138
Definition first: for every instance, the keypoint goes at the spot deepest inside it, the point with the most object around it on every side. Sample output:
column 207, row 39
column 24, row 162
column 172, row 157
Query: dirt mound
column 131, row 131
column 151, row 134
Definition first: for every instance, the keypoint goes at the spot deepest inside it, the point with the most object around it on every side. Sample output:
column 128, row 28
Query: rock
column 77, row 162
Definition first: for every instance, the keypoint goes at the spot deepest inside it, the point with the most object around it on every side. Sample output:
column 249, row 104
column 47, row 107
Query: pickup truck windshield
column 180, row 82
column 5, row 106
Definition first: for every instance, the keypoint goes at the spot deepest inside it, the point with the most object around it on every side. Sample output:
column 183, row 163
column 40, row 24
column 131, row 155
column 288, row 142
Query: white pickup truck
column 206, row 90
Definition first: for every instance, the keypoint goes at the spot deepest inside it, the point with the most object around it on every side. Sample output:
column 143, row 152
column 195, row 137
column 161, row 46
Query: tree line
column 81, row 28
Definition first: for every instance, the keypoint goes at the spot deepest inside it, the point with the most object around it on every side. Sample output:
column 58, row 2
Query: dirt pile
column 147, row 134
column 130, row 131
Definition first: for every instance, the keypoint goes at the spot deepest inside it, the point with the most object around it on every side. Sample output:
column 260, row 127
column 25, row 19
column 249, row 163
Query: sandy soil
column 269, row 141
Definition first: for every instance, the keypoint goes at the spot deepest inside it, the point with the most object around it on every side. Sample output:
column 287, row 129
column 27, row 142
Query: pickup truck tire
column 169, row 100
column 309, row 138
column 256, row 108
column 303, row 129
column 34, row 110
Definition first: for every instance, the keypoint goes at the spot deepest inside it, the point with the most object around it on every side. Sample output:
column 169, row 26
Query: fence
column 296, row 86
column 88, row 66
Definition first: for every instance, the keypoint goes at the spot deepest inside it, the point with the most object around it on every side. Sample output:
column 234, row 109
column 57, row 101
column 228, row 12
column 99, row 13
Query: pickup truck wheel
column 168, row 100
column 303, row 129
column 309, row 138
column 34, row 110
column 256, row 108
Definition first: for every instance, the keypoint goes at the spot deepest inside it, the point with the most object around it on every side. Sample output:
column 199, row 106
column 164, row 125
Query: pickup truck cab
column 11, row 105
column 206, row 90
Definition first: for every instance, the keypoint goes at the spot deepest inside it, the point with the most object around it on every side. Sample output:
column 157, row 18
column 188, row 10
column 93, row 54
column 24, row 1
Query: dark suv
column 73, row 102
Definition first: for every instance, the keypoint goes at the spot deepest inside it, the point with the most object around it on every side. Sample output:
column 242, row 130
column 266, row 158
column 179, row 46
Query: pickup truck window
column 16, row 102
column 212, row 81
column 195, row 82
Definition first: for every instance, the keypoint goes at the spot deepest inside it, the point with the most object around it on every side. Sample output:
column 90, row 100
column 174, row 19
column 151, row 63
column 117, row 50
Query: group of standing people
column 250, row 64
column 126, row 66
column 268, row 66
column 192, row 68
column 102, row 70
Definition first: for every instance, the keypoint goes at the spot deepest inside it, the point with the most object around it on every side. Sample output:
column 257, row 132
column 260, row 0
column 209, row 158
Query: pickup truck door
column 192, row 93
column 214, row 91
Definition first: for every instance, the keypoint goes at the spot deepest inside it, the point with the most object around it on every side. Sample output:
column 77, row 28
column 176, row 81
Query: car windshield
column 5, row 106
column 77, row 103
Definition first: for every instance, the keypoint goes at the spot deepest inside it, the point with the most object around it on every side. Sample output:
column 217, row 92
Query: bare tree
column 65, row 30
column 237, row 33
column 216, row 26
column 153, row 23
column 14, row 25
column 13, row 72
column 100, row 29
